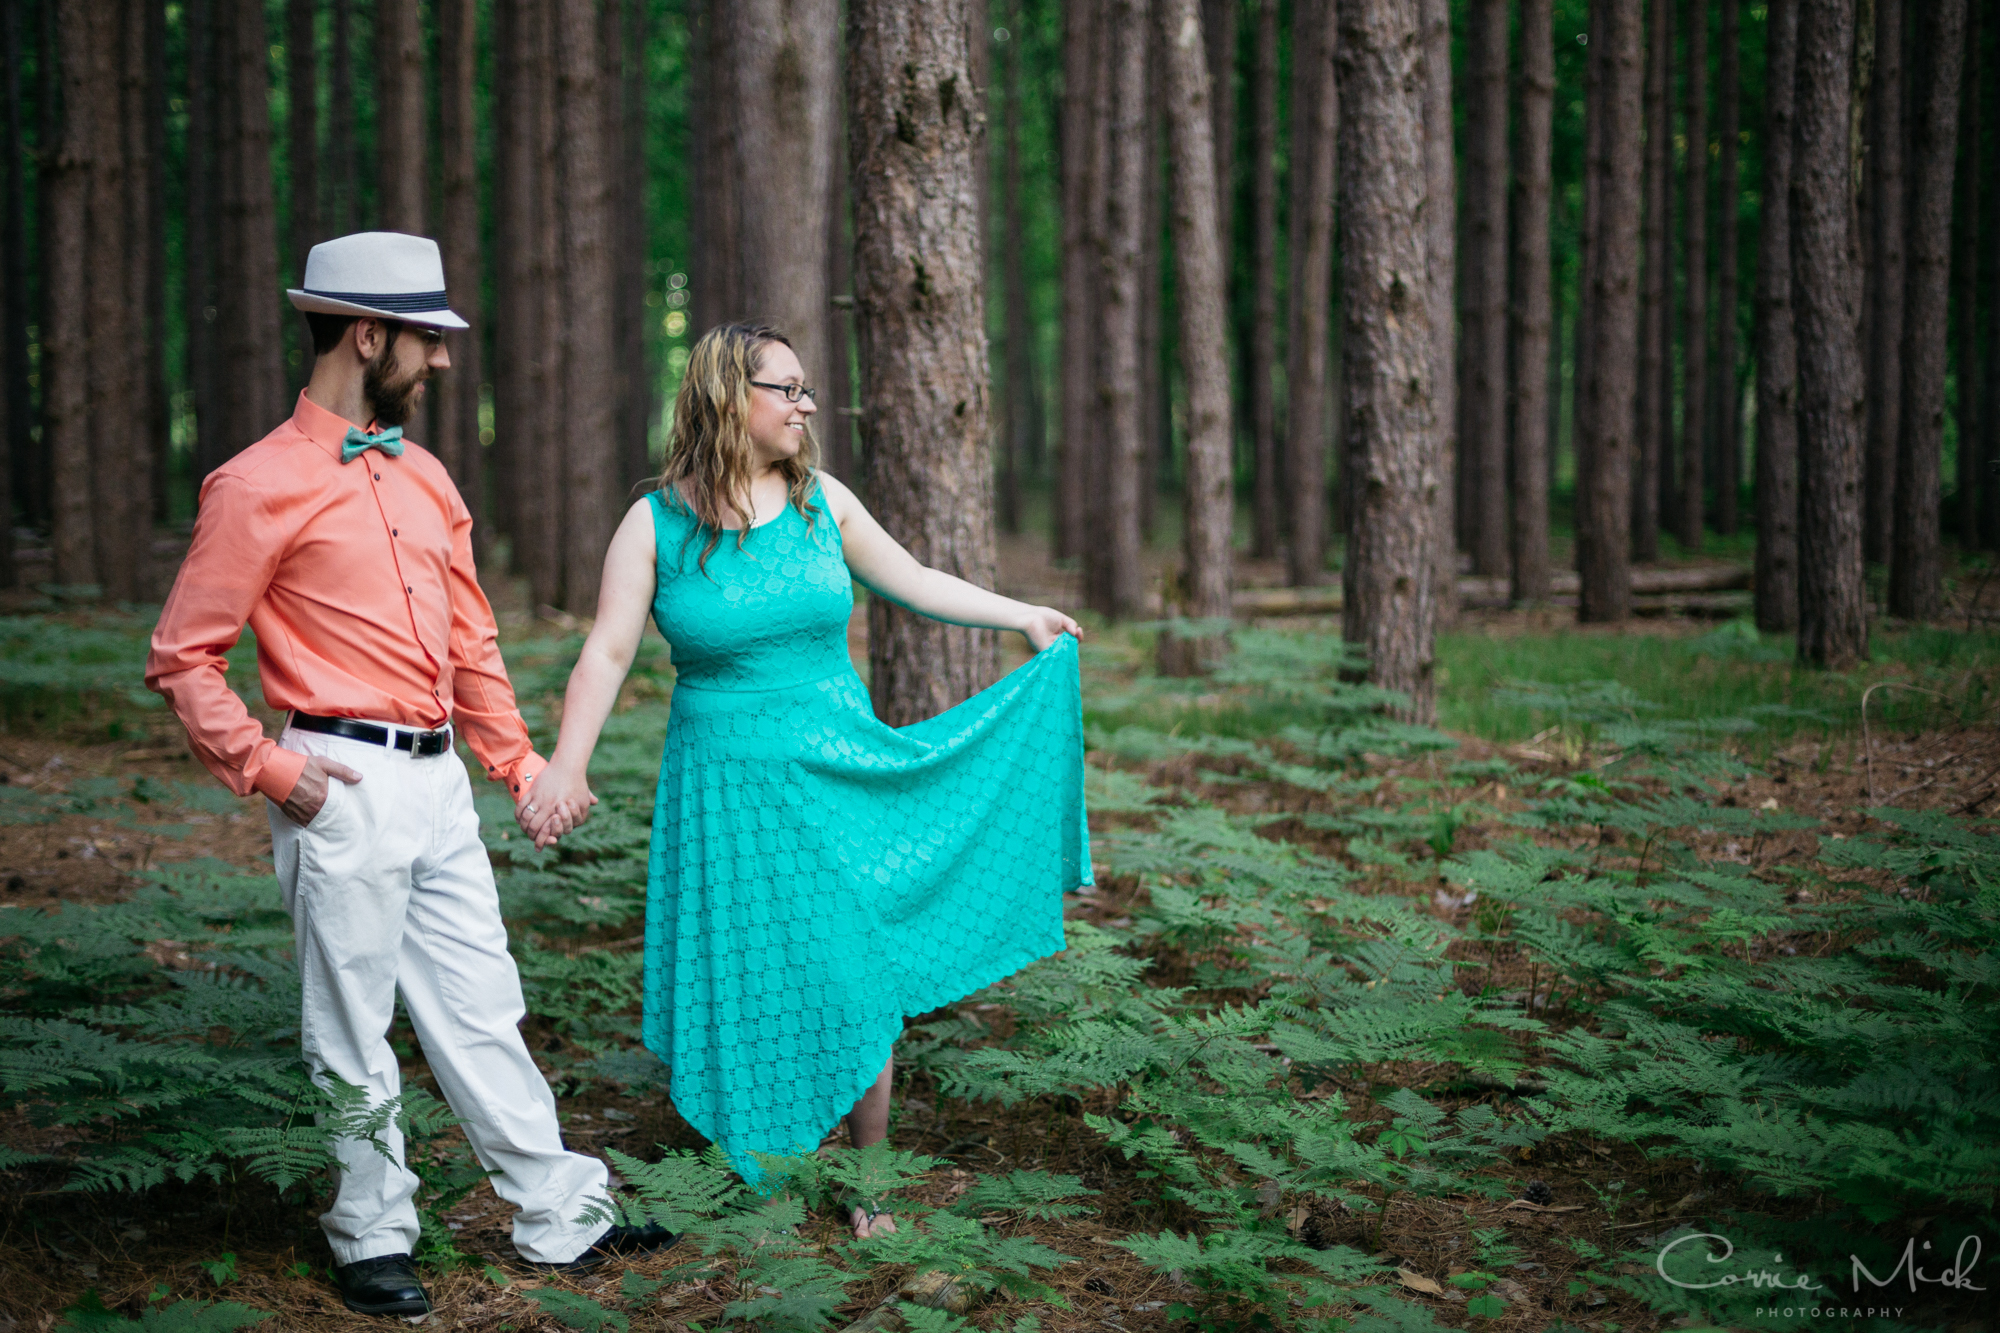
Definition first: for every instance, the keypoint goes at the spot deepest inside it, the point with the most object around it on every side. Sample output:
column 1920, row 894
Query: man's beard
column 393, row 399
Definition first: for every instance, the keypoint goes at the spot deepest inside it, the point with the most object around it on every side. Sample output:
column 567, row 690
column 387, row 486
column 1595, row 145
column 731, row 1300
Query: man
column 349, row 554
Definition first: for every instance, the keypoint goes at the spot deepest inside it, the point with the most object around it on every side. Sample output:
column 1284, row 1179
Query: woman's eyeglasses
column 792, row 392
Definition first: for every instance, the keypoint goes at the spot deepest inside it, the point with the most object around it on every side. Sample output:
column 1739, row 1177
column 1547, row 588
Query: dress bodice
column 767, row 614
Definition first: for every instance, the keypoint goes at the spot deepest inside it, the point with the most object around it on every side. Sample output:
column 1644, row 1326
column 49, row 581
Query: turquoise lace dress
column 816, row 875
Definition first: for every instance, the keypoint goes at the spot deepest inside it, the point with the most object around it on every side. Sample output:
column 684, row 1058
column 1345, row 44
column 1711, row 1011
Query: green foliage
column 89, row 1315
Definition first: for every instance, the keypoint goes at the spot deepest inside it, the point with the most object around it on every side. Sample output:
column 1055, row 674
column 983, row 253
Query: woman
column 815, row 875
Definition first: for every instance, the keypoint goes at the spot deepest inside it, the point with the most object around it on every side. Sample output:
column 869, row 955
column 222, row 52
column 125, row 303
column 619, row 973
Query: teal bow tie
column 359, row 442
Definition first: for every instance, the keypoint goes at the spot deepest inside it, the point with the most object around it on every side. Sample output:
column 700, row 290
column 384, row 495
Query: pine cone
column 1539, row 1193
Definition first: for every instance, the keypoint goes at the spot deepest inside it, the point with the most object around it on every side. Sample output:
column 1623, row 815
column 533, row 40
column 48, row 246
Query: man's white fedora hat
column 381, row 273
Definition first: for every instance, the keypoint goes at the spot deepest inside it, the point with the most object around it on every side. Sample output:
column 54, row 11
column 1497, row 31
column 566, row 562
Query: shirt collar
column 326, row 429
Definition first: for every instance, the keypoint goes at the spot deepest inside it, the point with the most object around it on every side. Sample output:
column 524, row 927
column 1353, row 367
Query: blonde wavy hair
column 709, row 458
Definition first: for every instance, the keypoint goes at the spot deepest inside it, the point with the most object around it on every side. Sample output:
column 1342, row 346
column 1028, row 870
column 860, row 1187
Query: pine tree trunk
column 1154, row 411
column 592, row 499
column 836, row 437
column 1314, row 128
column 1916, row 573
column 1689, row 513
column 1079, row 279
column 1604, row 506
column 16, row 408
column 1965, row 291
column 1777, row 573
column 401, row 117
column 1200, row 279
column 68, row 178
column 1389, row 433
column 302, row 140
column 914, row 132
column 1587, row 249
column 249, row 356
column 1440, row 257
column 202, row 234
column 1114, row 580
column 1023, row 407
column 1667, row 482
column 1728, row 426
column 1263, row 364
column 625, row 44
column 1833, row 615
column 1885, row 211
column 152, row 302
column 457, row 436
column 782, row 57
column 1218, row 30
column 121, row 333
column 1484, row 405
column 343, row 172
column 1529, row 391
column 1649, row 433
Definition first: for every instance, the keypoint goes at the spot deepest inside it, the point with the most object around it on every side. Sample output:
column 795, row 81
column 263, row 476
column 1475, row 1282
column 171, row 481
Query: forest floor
column 107, row 800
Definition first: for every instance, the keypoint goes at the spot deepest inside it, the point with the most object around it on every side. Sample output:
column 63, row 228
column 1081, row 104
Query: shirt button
column 378, row 476
column 407, row 588
column 395, row 532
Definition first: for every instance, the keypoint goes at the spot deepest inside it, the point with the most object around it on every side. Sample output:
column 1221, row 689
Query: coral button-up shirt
column 357, row 579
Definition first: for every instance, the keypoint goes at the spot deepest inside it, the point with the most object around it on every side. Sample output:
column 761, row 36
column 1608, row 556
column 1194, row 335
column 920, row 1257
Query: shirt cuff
column 279, row 774
column 520, row 773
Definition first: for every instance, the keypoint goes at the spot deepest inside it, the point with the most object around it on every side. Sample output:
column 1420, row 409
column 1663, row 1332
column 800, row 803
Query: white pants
column 390, row 889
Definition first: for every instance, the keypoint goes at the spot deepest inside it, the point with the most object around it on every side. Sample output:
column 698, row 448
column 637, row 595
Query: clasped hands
column 553, row 804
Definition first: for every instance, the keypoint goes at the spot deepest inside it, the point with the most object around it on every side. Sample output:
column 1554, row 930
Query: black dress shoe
column 616, row 1240
column 386, row 1284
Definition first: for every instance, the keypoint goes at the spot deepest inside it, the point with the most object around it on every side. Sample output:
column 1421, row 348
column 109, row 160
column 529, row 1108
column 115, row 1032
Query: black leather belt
column 415, row 742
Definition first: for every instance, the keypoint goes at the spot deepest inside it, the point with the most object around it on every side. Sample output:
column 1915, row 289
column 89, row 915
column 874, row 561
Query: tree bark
column 715, row 227
column 1218, row 28
column 1690, row 512
column 1916, row 572
column 1885, row 212
column 1965, row 291
column 1728, row 427
column 1529, row 390
column 1833, row 616
column 592, row 499
column 1388, row 429
column 837, row 437
column 202, row 234
column 1667, row 483
column 1484, row 405
column 1314, row 129
column 1604, row 507
column 457, row 437
column 122, row 321
column 1079, row 276
column 1650, row 435
column 625, row 50
column 302, row 136
column 1263, row 366
column 1777, row 575
column 1023, row 407
column 151, row 130
column 1199, row 283
column 69, row 174
column 248, row 299
column 343, row 172
column 1440, row 258
column 401, row 119
column 914, row 132
column 1587, row 248
column 16, row 407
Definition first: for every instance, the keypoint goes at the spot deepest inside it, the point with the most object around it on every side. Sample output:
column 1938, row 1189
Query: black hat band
column 402, row 303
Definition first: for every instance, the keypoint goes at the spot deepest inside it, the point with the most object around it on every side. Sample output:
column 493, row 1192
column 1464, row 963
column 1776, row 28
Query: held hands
column 553, row 804
column 1045, row 624
column 309, row 792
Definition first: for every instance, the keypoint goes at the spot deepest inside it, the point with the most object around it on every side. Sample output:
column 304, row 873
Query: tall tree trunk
column 1833, row 615
column 1200, row 277
column 1965, row 290
column 302, row 135
column 457, row 437
column 585, row 229
column 1079, row 278
column 1218, row 30
column 1314, row 128
column 625, row 44
column 1023, row 408
column 1529, row 390
column 1667, row 484
column 914, row 137
column 202, row 234
column 16, row 408
column 1114, row 578
column 1587, row 248
column 715, row 230
column 1689, row 513
column 1777, row 580
column 782, row 57
column 69, row 168
column 1154, row 410
column 1484, row 406
column 1649, row 435
column 837, row 437
column 1388, row 430
column 1263, row 365
column 401, row 121
column 247, row 305
column 1604, row 508
column 1915, row 568
column 123, row 430
column 1440, row 257
column 343, row 169
column 1728, row 428
column 152, row 300
column 1885, row 213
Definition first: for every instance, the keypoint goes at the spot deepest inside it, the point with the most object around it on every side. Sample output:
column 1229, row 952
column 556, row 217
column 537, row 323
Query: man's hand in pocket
column 309, row 793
